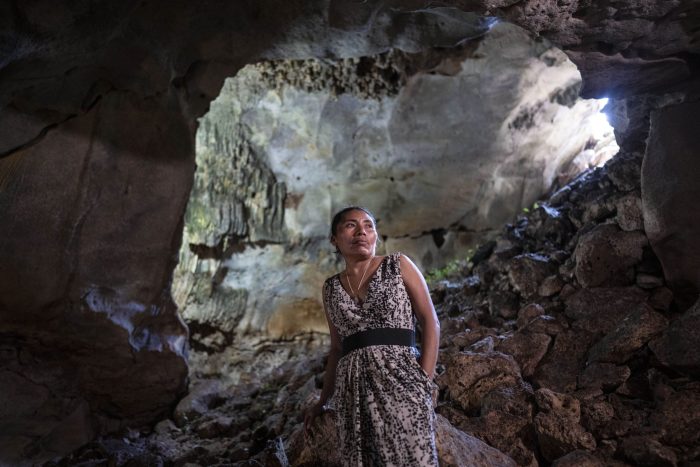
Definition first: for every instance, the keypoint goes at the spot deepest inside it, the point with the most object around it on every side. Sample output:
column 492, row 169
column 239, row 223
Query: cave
column 580, row 274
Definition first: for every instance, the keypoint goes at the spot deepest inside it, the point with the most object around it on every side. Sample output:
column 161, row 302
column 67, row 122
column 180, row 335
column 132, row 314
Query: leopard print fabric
column 382, row 399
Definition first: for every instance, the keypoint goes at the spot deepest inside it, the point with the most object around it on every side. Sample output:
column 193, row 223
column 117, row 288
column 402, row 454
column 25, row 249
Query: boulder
column 578, row 458
column 457, row 449
column 678, row 418
column 678, row 346
column 606, row 254
column 629, row 336
column 471, row 376
column 527, row 271
column 600, row 310
column 647, row 451
column 527, row 349
column 604, row 376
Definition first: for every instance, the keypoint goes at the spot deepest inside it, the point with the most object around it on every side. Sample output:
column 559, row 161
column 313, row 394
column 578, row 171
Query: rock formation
column 96, row 164
column 481, row 131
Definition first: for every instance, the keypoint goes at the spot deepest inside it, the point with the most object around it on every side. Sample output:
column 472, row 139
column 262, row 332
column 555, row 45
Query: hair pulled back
column 338, row 218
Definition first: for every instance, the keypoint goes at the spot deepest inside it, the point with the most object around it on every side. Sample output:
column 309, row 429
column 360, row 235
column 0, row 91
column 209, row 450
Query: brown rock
column 456, row 448
column 471, row 376
column 661, row 299
column 527, row 271
column 503, row 303
column 578, row 458
column 509, row 433
column 604, row 376
column 629, row 336
column 606, row 254
column 600, row 310
column 558, row 435
column 595, row 414
column 562, row 405
column 528, row 313
column 319, row 448
column 678, row 418
column 527, row 349
column 678, row 345
column 647, row 451
column 560, row 367
column 551, row 285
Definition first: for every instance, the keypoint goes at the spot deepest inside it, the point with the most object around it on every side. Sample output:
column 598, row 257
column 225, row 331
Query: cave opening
column 444, row 145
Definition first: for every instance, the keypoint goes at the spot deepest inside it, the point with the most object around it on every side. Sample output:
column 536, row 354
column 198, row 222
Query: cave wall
column 101, row 102
column 443, row 146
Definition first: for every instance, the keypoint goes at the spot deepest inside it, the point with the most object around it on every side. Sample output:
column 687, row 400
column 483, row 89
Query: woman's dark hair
column 339, row 216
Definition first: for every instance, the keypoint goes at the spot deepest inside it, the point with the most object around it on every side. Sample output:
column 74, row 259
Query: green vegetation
column 450, row 269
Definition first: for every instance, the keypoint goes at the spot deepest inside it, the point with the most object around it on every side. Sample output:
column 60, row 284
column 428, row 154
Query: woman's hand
column 310, row 415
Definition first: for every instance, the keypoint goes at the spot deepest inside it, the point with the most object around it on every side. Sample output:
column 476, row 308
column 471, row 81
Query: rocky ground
column 561, row 345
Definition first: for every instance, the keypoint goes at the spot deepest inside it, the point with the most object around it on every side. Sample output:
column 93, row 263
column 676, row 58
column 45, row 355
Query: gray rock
column 670, row 191
column 629, row 212
column 198, row 401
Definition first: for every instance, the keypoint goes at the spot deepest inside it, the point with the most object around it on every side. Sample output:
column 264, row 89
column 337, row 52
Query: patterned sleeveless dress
column 382, row 398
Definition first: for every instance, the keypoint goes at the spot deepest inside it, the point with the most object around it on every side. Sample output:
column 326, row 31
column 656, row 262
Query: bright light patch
column 603, row 134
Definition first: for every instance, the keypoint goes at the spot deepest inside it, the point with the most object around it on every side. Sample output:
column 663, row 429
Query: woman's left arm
column 425, row 313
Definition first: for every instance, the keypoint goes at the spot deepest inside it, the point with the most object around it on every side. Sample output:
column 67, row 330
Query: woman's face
column 355, row 234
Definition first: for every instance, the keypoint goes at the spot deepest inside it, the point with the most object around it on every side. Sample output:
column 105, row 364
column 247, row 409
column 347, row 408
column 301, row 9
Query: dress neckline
column 369, row 284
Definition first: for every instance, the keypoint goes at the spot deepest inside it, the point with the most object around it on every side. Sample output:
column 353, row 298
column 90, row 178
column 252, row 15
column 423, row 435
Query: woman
column 381, row 393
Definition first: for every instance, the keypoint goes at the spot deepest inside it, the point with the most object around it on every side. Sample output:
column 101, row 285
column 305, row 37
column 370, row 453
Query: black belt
column 379, row 336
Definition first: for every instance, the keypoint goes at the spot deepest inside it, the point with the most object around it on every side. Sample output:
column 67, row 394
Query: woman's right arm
column 329, row 375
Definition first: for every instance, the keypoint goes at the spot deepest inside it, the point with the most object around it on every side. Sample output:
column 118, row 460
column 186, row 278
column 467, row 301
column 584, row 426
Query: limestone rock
column 606, row 254
column 200, row 398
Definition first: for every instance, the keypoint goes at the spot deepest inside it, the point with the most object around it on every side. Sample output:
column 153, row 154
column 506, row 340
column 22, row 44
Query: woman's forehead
column 357, row 215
